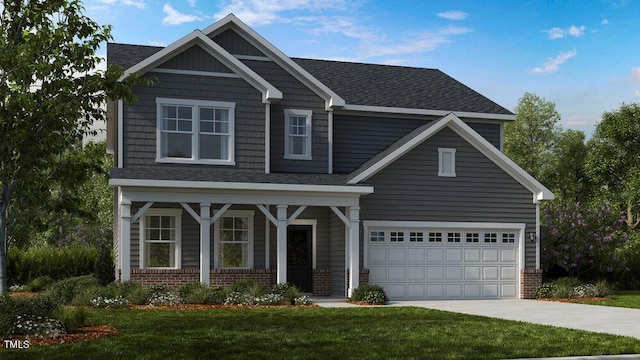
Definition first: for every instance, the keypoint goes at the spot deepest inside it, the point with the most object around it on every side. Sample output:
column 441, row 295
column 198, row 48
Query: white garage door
column 447, row 263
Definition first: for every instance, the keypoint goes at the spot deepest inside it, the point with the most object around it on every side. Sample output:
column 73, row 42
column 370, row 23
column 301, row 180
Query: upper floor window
column 297, row 139
column 194, row 131
column 446, row 162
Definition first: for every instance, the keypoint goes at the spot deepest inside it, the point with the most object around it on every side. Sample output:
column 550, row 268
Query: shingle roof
column 365, row 84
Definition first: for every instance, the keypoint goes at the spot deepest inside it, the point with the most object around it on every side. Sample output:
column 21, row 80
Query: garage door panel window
column 490, row 238
column 442, row 237
column 472, row 237
column 508, row 238
column 377, row 236
column 396, row 236
column 416, row 236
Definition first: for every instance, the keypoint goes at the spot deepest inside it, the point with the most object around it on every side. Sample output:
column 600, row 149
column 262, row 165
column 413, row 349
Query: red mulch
column 24, row 294
column 576, row 300
column 207, row 307
column 81, row 334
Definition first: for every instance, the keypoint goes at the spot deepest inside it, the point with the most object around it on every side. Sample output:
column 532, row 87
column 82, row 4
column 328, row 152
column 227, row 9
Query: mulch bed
column 81, row 334
column 576, row 300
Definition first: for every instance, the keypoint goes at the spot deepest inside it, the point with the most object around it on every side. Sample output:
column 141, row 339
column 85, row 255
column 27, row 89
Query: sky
column 582, row 55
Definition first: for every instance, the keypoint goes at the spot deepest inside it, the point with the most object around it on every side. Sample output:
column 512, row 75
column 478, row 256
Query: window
column 297, row 138
column 193, row 131
column 160, row 238
column 234, row 240
column 472, row 237
column 509, row 238
column 396, row 236
column 453, row 237
column 376, row 236
column 490, row 237
column 447, row 162
column 416, row 236
column 435, row 236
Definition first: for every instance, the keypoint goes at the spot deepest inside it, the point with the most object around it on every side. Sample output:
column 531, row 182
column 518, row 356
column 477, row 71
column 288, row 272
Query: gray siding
column 140, row 116
column 195, row 59
column 235, row 44
column 410, row 190
column 357, row 139
column 295, row 96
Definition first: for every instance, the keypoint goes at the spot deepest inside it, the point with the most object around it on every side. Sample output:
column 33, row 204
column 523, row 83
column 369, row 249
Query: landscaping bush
column 203, row 294
column 161, row 295
column 64, row 291
column 71, row 318
column 544, row 291
column 369, row 294
column 569, row 288
column 251, row 287
column 103, row 265
column 75, row 260
column 288, row 292
column 40, row 283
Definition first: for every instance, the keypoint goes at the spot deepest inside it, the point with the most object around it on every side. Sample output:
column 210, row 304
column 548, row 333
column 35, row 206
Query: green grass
column 626, row 299
column 315, row 333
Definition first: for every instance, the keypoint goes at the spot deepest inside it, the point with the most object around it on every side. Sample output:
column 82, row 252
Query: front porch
column 172, row 232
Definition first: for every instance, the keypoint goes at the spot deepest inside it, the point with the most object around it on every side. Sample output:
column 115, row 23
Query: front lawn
column 316, row 333
column 626, row 299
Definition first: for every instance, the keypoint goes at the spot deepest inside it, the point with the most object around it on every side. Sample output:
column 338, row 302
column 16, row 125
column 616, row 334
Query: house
column 240, row 162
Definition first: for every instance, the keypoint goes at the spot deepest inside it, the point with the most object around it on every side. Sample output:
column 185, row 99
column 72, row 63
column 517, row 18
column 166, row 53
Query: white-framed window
column 446, row 162
column 416, row 236
column 297, row 134
column 490, row 237
column 160, row 235
column 509, row 238
column 396, row 236
column 435, row 236
column 453, row 237
column 195, row 131
column 233, row 235
column 472, row 237
column 377, row 236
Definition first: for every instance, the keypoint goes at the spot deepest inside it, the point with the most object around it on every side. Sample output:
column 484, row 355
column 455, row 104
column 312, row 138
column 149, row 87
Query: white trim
column 219, row 213
column 356, row 190
column 501, row 137
column 540, row 192
column 296, row 213
column 141, row 211
column 314, row 225
column 330, row 141
column 269, row 92
column 441, row 153
column 414, row 111
column 267, row 138
column 216, row 237
column 196, row 73
column 331, row 98
column 308, row 114
column 193, row 213
column 537, row 235
column 267, row 237
column 120, row 133
column 251, row 57
column 177, row 213
column 195, row 130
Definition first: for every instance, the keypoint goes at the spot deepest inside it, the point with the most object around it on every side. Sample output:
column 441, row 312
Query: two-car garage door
column 444, row 263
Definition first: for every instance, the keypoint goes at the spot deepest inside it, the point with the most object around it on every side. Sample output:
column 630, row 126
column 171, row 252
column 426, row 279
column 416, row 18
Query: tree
column 614, row 160
column 530, row 139
column 50, row 93
column 568, row 179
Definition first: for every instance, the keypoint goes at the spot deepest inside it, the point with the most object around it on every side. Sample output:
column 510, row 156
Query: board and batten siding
column 295, row 96
column 235, row 44
column 357, row 139
column 140, row 120
column 410, row 189
column 195, row 59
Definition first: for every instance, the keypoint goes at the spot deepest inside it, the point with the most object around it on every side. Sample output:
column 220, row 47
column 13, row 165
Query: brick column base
column 173, row 278
column 226, row 277
column 530, row 279
column 321, row 282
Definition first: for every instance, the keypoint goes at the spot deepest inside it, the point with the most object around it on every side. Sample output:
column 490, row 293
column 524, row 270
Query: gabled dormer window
column 297, row 138
column 446, row 162
column 195, row 131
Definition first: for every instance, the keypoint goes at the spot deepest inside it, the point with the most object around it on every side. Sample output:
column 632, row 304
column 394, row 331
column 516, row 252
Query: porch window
column 160, row 237
column 191, row 131
column 297, row 140
column 234, row 235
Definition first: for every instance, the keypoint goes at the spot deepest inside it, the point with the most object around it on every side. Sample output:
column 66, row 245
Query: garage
column 444, row 261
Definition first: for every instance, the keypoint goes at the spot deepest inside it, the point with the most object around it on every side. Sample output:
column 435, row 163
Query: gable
column 195, row 58
column 236, row 44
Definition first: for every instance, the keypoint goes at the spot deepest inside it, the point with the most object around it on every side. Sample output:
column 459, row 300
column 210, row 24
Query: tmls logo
column 16, row 344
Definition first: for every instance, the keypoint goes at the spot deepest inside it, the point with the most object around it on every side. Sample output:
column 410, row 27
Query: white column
column 281, row 273
column 205, row 242
column 354, row 251
column 125, row 241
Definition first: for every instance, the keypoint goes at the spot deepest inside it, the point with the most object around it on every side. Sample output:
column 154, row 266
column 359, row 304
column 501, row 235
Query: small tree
column 50, row 93
column 582, row 240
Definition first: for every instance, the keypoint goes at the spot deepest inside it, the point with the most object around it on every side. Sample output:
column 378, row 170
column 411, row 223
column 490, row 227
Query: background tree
column 530, row 139
column 568, row 179
column 614, row 160
column 49, row 95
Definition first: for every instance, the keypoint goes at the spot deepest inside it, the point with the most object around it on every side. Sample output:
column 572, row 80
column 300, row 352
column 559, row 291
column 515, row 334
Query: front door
column 299, row 256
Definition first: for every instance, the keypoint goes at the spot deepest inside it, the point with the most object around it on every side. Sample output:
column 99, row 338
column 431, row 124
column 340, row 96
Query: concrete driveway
column 605, row 319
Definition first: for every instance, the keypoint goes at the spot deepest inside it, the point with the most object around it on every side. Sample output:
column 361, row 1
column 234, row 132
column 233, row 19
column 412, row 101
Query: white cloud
column 558, row 33
column 637, row 93
column 174, row 17
column 191, row 3
column 260, row 12
column 453, row 15
column 552, row 64
column 136, row 3
column 605, row 22
column 157, row 43
column 635, row 75
column 109, row 2
column 422, row 42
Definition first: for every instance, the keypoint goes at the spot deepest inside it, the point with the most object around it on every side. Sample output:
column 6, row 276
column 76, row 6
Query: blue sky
column 582, row 55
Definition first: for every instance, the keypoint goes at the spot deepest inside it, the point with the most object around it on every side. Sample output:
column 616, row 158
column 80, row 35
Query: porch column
column 354, row 251
column 205, row 242
column 281, row 272
column 125, row 240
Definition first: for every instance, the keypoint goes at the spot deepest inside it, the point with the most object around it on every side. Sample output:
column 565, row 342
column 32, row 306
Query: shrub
column 161, row 295
column 138, row 295
column 40, row 307
column 64, row 291
column 369, row 294
column 75, row 260
column 37, row 326
column 544, row 291
column 206, row 295
column 251, row 287
column 584, row 291
column 268, row 299
column 602, row 288
column 103, row 265
column 71, row 318
column 109, row 302
column 239, row 298
column 185, row 290
column 288, row 292
column 303, row 300
column 40, row 283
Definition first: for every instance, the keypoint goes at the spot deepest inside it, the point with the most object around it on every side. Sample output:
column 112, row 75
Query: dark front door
column 299, row 257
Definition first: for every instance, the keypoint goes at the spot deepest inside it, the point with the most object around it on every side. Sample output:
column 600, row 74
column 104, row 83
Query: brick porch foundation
column 530, row 279
column 322, row 282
